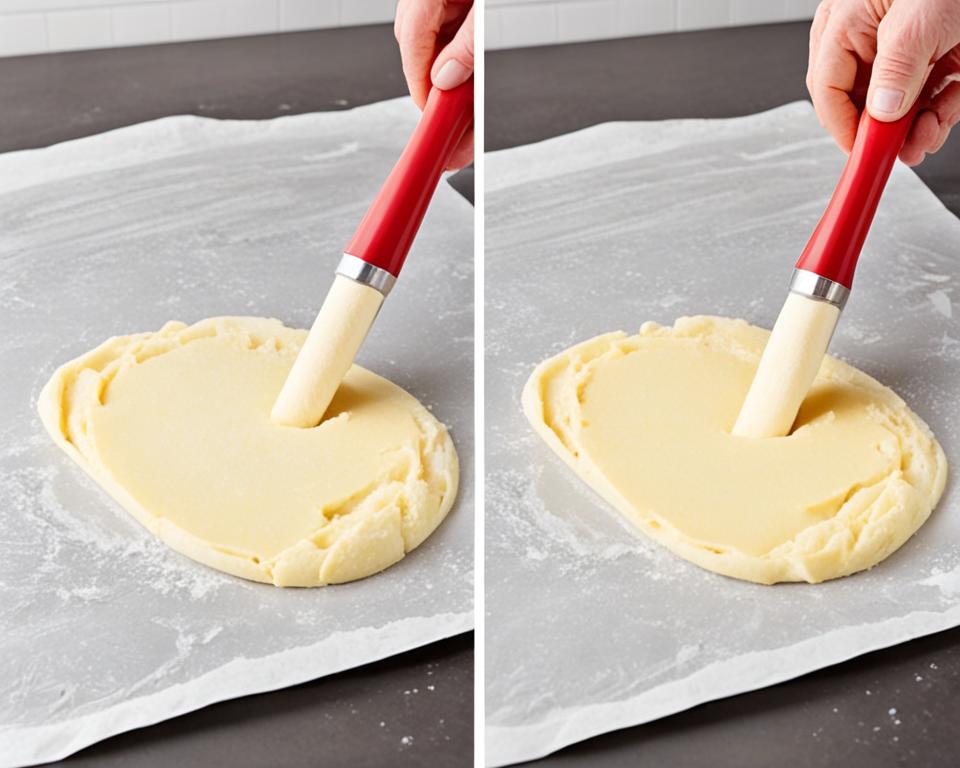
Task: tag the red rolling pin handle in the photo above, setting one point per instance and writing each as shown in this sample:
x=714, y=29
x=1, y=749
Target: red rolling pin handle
x=835, y=245
x=387, y=230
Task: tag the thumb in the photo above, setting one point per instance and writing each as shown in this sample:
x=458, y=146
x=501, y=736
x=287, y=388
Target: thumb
x=454, y=64
x=906, y=49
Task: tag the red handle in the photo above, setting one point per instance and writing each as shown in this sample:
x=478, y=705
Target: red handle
x=833, y=249
x=387, y=230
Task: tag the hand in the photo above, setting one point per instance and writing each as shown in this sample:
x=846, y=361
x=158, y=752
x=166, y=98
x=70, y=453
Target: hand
x=436, y=46
x=886, y=54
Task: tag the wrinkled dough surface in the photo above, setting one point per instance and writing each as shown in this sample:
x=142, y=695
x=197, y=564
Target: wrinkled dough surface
x=645, y=420
x=176, y=426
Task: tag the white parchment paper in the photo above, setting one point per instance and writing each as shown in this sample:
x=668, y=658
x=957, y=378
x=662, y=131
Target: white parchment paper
x=590, y=627
x=102, y=628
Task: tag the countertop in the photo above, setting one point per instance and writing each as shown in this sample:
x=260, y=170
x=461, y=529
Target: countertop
x=893, y=707
x=411, y=709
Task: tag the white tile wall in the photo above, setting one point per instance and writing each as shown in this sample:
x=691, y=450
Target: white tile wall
x=703, y=14
x=646, y=17
x=532, y=24
x=801, y=9
x=513, y=23
x=38, y=26
x=141, y=24
x=23, y=33
x=758, y=11
x=83, y=28
x=199, y=19
x=366, y=11
x=308, y=14
x=586, y=20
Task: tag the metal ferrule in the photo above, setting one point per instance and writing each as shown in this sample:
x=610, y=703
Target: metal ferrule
x=813, y=286
x=366, y=274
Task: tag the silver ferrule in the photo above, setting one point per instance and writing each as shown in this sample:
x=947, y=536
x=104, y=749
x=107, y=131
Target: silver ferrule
x=366, y=274
x=813, y=286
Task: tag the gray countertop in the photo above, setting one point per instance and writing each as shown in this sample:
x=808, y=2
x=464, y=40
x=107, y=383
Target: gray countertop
x=826, y=718
x=353, y=718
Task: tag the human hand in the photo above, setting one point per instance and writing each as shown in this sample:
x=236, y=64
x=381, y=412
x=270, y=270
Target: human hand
x=886, y=54
x=436, y=46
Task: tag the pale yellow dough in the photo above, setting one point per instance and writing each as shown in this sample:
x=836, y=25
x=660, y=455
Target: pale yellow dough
x=175, y=425
x=645, y=420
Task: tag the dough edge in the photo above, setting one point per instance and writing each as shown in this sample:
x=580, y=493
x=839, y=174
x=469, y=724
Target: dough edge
x=360, y=549
x=863, y=532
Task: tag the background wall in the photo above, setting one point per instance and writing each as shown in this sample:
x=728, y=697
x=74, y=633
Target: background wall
x=36, y=26
x=514, y=23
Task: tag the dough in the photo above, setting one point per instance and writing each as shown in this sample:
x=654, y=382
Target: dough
x=645, y=420
x=175, y=425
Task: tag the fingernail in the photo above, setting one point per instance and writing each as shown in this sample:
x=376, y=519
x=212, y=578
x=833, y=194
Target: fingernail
x=886, y=101
x=451, y=75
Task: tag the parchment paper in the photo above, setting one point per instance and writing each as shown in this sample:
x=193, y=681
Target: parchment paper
x=102, y=628
x=590, y=627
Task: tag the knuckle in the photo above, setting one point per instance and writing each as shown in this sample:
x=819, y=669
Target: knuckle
x=895, y=63
x=901, y=44
x=468, y=45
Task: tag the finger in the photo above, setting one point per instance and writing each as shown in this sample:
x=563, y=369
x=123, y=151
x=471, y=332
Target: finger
x=933, y=125
x=944, y=73
x=816, y=34
x=921, y=139
x=906, y=45
x=834, y=79
x=946, y=107
x=454, y=64
x=416, y=34
x=941, y=139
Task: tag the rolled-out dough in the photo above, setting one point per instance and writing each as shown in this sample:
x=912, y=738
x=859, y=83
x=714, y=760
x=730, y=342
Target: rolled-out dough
x=646, y=421
x=176, y=426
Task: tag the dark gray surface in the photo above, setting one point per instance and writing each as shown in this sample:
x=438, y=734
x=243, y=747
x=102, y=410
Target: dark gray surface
x=840, y=715
x=54, y=97
x=415, y=709
x=336, y=720
x=535, y=93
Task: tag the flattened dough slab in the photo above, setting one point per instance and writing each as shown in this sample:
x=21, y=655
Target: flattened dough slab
x=175, y=425
x=645, y=420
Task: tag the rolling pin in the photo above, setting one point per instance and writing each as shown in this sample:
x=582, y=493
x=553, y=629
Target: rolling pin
x=372, y=260
x=821, y=283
